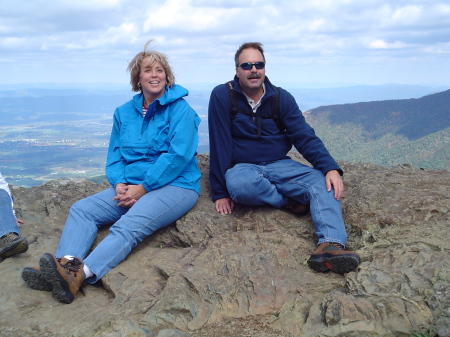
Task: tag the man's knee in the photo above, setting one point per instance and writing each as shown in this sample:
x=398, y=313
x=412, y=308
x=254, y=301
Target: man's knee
x=240, y=189
x=316, y=177
x=243, y=184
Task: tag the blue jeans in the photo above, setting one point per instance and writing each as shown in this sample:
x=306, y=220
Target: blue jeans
x=274, y=182
x=153, y=211
x=8, y=221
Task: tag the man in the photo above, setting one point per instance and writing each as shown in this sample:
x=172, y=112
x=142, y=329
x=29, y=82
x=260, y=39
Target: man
x=11, y=243
x=248, y=162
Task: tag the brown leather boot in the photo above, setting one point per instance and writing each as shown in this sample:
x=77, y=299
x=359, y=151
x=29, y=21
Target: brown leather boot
x=297, y=207
x=65, y=275
x=333, y=256
x=35, y=279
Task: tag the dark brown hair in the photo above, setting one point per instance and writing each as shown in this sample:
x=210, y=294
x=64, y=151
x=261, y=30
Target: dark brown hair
x=247, y=45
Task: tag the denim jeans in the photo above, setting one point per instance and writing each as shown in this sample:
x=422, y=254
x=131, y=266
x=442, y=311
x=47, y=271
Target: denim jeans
x=153, y=211
x=274, y=182
x=8, y=222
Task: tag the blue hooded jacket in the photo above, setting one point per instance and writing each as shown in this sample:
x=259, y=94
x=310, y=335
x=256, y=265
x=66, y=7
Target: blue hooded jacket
x=159, y=149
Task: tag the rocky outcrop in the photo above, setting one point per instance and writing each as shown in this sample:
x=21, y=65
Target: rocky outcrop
x=245, y=274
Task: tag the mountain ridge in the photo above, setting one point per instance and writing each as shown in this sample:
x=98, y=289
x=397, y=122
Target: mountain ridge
x=430, y=112
x=388, y=133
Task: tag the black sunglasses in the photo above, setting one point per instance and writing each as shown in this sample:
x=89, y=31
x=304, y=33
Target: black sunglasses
x=248, y=65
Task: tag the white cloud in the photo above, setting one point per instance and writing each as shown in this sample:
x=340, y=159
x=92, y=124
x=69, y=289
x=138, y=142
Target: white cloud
x=201, y=36
x=381, y=44
x=406, y=15
x=440, y=48
x=181, y=16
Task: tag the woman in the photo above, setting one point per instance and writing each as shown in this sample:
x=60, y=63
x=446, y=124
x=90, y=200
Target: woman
x=152, y=168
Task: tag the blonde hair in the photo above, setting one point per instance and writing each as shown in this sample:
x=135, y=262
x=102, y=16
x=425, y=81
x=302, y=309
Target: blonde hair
x=134, y=67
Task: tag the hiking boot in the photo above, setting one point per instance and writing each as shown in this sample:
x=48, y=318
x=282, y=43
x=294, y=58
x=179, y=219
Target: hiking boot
x=12, y=244
x=65, y=276
x=333, y=256
x=35, y=279
x=297, y=207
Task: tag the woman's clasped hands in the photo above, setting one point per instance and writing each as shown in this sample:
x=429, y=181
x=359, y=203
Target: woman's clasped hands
x=127, y=195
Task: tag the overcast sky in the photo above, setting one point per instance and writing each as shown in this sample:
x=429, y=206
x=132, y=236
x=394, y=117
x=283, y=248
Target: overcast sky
x=324, y=42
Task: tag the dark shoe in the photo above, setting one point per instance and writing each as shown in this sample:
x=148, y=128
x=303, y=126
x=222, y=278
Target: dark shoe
x=12, y=244
x=35, y=279
x=65, y=276
x=333, y=256
x=297, y=207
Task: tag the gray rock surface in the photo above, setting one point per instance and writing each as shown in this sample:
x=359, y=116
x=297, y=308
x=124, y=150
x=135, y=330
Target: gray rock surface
x=172, y=333
x=245, y=274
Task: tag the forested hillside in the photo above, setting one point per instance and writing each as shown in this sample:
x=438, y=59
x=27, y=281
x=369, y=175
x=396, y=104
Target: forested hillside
x=410, y=131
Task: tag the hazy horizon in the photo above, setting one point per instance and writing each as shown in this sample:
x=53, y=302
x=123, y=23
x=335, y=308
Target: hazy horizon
x=204, y=86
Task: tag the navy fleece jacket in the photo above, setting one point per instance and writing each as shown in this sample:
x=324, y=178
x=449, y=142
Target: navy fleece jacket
x=236, y=141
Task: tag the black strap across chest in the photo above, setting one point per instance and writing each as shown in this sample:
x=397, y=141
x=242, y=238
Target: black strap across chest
x=274, y=109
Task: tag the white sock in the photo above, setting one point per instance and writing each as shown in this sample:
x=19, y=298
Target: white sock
x=87, y=271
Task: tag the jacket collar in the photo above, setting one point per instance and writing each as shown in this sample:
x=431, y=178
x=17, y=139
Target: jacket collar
x=171, y=94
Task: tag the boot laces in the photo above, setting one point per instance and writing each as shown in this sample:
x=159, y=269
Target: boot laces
x=72, y=266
